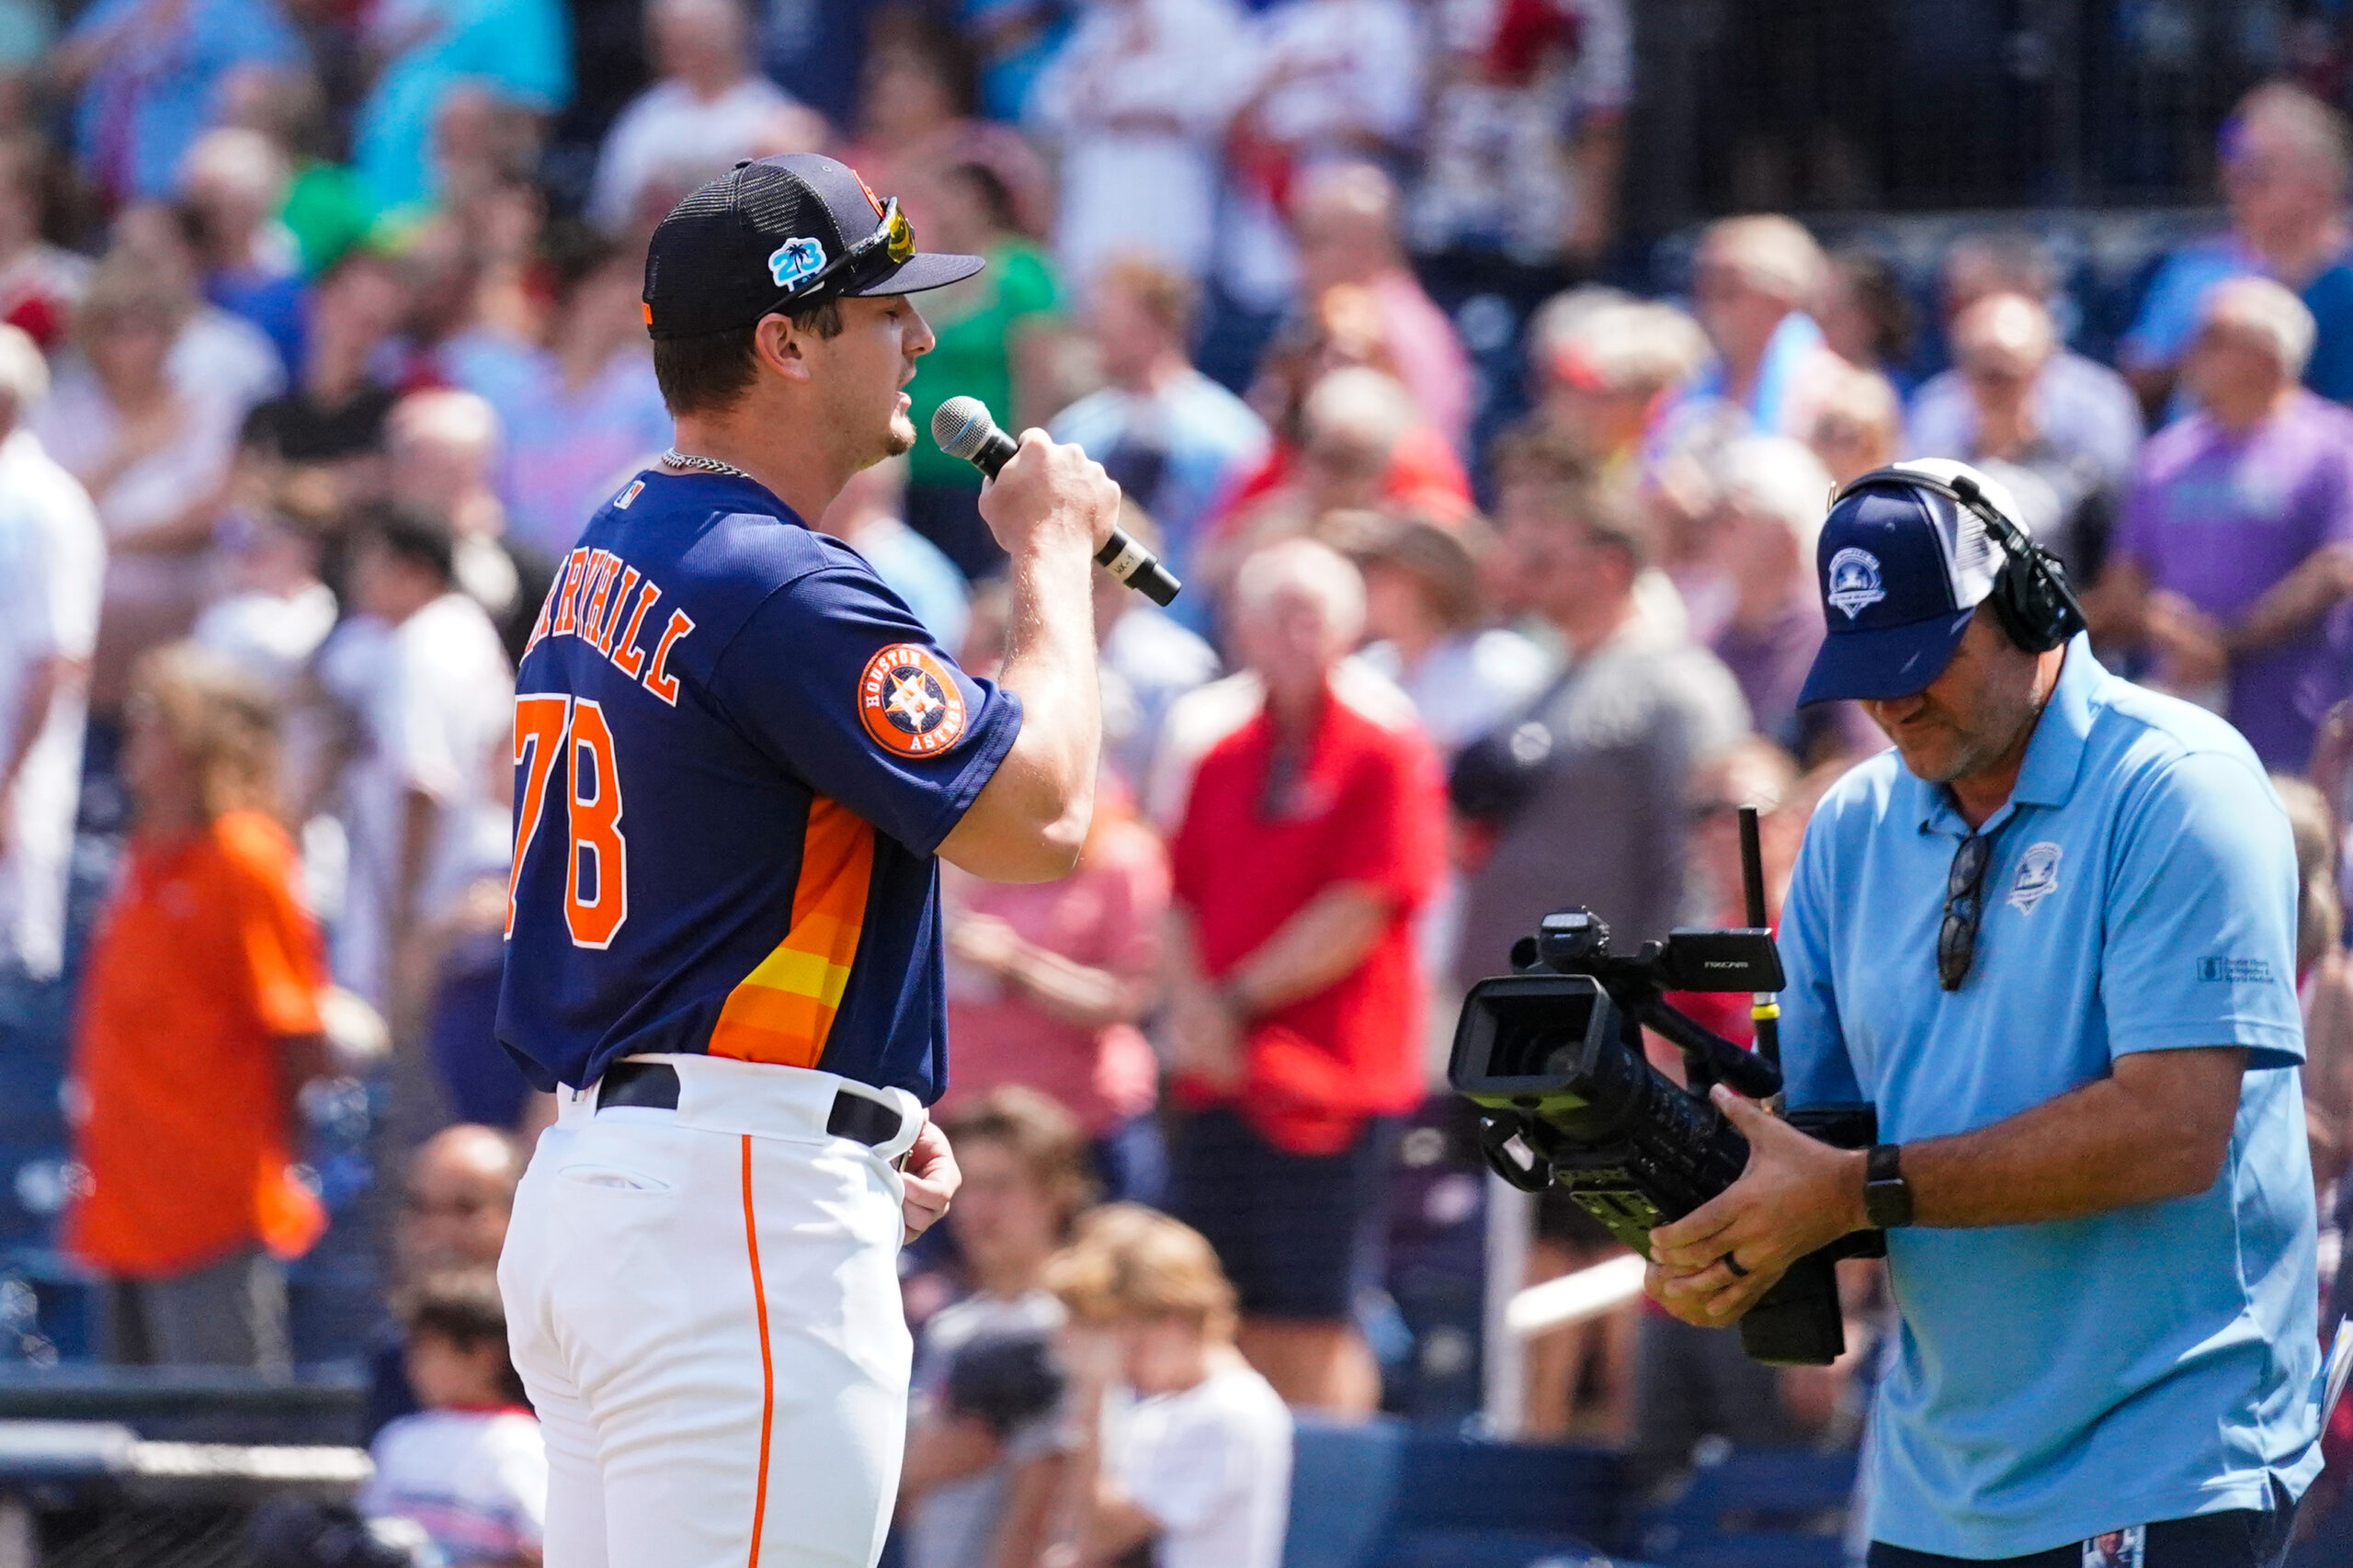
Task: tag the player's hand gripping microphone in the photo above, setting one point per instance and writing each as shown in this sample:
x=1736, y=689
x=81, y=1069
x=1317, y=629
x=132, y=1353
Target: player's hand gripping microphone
x=963, y=428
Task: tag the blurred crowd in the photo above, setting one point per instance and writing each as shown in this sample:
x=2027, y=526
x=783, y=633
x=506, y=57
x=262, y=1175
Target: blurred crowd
x=323, y=343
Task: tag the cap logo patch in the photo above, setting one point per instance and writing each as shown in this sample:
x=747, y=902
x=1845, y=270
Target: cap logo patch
x=1855, y=583
x=795, y=260
x=910, y=702
x=2038, y=876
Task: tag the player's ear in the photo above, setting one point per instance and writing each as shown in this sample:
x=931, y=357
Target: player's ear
x=781, y=347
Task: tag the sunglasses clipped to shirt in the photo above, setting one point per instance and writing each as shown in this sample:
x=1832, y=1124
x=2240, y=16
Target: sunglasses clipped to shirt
x=1965, y=909
x=894, y=239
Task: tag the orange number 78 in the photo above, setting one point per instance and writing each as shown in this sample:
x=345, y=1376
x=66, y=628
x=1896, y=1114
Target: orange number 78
x=552, y=728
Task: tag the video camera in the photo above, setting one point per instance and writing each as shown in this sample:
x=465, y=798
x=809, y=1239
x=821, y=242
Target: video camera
x=1552, y=1054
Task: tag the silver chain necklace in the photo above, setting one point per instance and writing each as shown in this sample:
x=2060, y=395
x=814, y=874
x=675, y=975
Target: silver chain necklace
x=676, y=458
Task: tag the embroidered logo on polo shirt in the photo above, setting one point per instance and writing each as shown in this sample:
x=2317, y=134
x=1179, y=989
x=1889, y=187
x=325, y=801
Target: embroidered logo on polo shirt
x=2038, y=876
x=1855, y=583
x=910, y=702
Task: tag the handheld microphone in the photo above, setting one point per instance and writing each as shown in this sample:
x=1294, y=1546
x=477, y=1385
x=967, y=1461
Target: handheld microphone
x=963, y=428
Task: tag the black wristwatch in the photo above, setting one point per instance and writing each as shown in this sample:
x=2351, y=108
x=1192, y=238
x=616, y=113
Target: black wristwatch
x=1887, y=1197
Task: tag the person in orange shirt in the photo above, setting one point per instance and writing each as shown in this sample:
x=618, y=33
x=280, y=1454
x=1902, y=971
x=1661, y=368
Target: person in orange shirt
x=199, y=1023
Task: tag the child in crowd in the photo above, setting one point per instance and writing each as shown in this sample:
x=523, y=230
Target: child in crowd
x=1198, y=1468
x=470, y=1468
x=983, y=1447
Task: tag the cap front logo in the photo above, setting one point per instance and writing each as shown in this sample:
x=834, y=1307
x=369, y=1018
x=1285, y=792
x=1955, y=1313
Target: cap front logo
x=795, y=260
x=2038, y=876
x=910, y=702
x=1854, y=581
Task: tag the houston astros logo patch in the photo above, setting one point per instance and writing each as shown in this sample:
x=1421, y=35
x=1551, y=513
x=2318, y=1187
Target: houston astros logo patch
x=910, y=701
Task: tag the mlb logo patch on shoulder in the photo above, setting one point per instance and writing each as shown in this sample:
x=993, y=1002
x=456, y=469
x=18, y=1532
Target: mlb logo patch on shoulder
x=910, y=702
x=636, y=487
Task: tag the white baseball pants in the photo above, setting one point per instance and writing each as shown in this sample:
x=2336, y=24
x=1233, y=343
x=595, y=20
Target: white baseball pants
x=704, y=1307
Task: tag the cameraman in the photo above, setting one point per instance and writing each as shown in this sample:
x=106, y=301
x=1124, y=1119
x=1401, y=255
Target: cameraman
x=2053, y=937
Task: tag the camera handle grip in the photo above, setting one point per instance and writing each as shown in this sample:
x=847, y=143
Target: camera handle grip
x=1798, y=1321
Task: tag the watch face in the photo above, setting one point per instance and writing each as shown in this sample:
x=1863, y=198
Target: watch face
x=1887, y=1203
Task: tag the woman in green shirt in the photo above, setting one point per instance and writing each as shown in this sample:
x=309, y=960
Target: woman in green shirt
x=996, y=333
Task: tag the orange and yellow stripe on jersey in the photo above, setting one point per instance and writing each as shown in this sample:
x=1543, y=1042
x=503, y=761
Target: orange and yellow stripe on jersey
x=783, y=1010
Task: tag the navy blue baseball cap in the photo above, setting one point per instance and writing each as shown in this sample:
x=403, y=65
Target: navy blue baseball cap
x=788, y=231
x=1902, y=566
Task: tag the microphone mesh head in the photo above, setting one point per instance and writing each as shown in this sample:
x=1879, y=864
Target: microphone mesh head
x=961, y=426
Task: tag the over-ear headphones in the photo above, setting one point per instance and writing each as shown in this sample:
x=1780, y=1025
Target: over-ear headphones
x=2030, y=595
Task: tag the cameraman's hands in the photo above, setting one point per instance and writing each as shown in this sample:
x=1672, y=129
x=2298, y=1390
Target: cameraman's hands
x=1798, y=1194
x=1045, y=490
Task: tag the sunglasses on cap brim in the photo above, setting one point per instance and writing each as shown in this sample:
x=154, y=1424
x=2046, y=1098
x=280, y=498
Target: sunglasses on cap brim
x=895, y=241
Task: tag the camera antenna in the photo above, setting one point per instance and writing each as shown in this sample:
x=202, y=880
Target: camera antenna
x=1763, y=1008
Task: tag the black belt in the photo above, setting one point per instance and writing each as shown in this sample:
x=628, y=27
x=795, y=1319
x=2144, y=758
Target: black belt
x=654, y=1086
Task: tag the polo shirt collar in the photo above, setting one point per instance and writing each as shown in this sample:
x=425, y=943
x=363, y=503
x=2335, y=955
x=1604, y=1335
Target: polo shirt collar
x=2055, y=753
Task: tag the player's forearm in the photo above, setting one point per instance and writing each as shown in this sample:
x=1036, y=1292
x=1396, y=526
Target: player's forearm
x=1030, y=819
x=2158, y=1129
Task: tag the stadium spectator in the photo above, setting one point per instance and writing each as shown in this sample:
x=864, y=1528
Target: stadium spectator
x=869, y=515
x=1526, y=142
x=1771, y=498
x=1176, y=441
x=1607, y=368
x=1311, y=836
x=1135, y=109
x=273, y=611
x=1344, y=217
x=2236, y=539
x=326, y=209
x=2285, y=164
x=2325, y=983
x=147, y=73
x=218, y=356
x=1148, y=662
x=470, y=1467
x=1048, y=983
x=442, y=448
x=1857, y=426
x=1201, y=1470
x=2002, y=348
x=1867, y=319
x=1753, y=283
x=1426, y=629
x=1588, y=788
x=511, y=52
x=456, y=1197
x=1362, y=443
x=984, y=1444
x=52, y=559
x=2083, y=409
x=319, y=446
x=232, y=184
x=1333, y=82
x=996, y=335
x=155, y=459
x=431, y=691
x=708, y=106
x=199, y=1026
x=40, y=282
x=916, y=116
x=578, y=408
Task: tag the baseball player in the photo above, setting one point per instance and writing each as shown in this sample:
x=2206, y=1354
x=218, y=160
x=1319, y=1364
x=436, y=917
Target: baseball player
x=736, y=756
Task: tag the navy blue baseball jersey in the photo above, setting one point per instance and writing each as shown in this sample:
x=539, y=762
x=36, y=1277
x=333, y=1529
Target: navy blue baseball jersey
x=735, y=751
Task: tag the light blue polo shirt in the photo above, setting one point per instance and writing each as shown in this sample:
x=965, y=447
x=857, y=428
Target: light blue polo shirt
x=2055, y=1381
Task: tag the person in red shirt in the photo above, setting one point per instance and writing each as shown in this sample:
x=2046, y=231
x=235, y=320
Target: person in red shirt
x=199, y=1024
x=1310, y=835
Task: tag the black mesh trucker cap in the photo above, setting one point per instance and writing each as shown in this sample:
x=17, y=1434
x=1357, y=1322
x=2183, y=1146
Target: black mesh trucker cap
x=783, y=231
